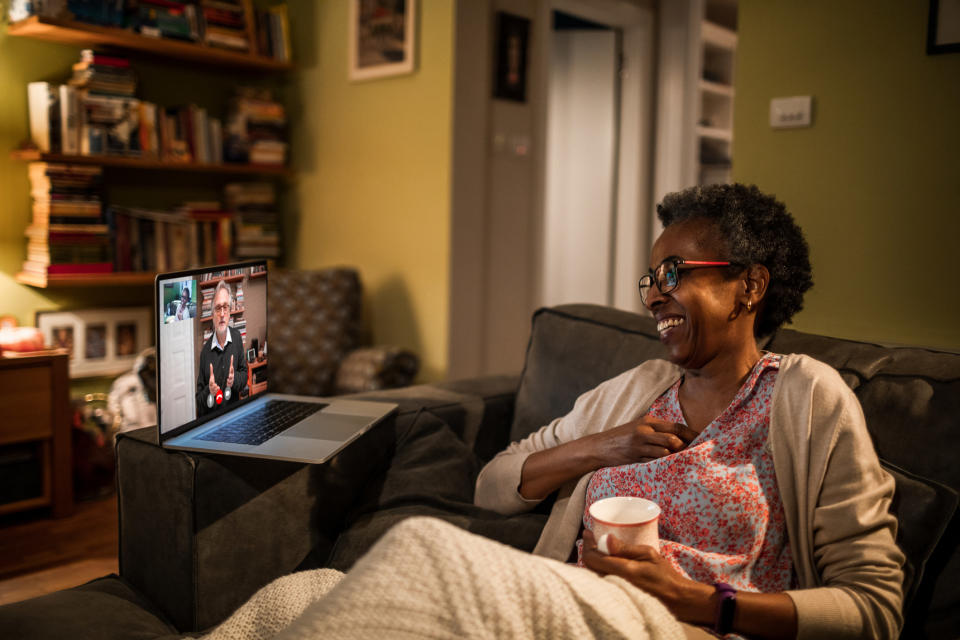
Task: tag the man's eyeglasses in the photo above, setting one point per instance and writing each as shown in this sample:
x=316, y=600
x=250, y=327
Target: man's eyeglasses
x=222, y=308
x=667, y=275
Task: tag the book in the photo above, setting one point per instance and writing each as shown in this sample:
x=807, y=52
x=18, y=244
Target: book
x=69, y=120
x=43, y=102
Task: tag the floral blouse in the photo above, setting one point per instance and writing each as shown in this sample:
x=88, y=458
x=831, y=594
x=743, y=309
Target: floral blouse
x=721, y=515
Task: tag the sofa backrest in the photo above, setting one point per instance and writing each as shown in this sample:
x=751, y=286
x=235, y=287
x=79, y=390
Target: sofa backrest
x=910, y=396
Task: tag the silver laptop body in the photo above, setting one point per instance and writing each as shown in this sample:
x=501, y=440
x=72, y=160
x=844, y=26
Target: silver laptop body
x=192, y=419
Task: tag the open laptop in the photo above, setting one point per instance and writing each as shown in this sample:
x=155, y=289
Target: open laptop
x=212, y=361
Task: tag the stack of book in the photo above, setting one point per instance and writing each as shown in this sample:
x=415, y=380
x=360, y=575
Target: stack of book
x=225, y=24
x=255, y=207
x=108, y=116
x=97, y=73
x=256, y=128
x=68, y=234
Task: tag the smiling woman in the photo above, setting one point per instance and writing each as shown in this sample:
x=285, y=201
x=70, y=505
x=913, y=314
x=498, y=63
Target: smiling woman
x=774, y=518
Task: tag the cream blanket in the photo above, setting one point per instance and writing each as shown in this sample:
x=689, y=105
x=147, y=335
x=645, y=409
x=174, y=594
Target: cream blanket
x=427, y=578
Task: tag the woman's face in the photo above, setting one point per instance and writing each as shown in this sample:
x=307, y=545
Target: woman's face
x=699, y=320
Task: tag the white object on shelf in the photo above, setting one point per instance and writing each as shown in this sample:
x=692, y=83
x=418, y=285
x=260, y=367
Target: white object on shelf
x=790, y=113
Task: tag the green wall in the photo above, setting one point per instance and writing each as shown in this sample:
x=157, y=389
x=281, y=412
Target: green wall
x=373, y=162
x=874, y=182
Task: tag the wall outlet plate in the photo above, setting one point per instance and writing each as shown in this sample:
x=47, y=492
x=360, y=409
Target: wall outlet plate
x=790, y=113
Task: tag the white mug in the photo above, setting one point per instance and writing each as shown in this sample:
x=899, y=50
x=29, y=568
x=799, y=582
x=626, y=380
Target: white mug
x=633, y=521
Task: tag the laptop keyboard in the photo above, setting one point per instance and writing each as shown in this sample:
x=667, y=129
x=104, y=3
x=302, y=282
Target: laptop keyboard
x=262, y=424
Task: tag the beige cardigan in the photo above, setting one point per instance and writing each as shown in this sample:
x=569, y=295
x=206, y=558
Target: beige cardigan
x=835, y=495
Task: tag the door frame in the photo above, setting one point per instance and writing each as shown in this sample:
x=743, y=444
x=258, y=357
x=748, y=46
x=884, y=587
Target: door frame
x=637, y=23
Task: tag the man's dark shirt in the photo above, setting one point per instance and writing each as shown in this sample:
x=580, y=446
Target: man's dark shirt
x=220, y=359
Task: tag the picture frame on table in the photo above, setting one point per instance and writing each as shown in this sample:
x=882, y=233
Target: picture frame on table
x=943, y=27
x=99, y=342
x=381, y=38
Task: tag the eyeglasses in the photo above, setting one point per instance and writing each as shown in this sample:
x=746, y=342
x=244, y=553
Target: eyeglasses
x=222, y=308
x=667, y=274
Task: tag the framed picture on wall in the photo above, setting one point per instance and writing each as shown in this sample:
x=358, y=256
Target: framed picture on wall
x=943, y=28
x=510, y=79
x=381, y=38
x=100, y=342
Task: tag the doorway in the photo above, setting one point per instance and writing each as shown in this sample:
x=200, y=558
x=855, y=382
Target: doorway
x=595, y=209
x=582, y=159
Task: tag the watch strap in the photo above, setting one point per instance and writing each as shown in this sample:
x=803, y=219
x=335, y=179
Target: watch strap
x=726, y=607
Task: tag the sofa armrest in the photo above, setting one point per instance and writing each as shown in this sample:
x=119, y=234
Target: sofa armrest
x=200, y=533
x=479, y=410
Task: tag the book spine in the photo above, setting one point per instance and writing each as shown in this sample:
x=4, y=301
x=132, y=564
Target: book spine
x=39, y=105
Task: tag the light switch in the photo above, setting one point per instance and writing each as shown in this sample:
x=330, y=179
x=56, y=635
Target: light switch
x=788, y=113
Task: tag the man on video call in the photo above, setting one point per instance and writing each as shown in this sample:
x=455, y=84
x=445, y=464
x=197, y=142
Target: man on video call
x=222, y=374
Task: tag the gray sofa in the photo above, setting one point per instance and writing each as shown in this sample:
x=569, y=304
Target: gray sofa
x=200, y=533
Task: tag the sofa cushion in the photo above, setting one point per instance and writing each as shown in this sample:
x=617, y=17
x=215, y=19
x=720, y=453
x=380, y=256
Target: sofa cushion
x=572, y=349
x=923, y=508
x=911, y=399
x=107, y=607
x=432, y=473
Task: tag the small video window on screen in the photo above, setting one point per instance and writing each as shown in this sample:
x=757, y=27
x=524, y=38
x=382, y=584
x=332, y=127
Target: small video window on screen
x=212, y=343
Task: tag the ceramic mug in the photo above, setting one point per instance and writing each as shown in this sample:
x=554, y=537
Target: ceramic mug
x=632, y=520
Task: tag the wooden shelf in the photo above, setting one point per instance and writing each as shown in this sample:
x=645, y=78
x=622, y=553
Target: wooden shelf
x=720, y=37
x=122, y=278
x=715, y=133
x=83, y=34
x=32, y=155
x=716, y=88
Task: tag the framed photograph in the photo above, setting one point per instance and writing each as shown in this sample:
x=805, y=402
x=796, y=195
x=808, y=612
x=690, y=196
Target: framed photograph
x=510, y=79
x=943, y=27
x=100, y=342
x=381, y=38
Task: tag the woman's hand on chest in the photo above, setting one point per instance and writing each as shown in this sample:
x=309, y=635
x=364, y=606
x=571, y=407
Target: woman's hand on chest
x=640, y=440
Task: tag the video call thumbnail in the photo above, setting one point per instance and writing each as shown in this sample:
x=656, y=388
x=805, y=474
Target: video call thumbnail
x=212, y=342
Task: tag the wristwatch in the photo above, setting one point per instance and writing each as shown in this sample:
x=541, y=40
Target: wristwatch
x=726, y=607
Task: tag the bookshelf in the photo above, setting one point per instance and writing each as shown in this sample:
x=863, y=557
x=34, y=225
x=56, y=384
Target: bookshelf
x=715, y=93
x=82, y=34
x=124, y=162
x=115, y=41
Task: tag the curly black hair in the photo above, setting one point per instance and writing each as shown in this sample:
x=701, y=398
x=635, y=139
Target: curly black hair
x=757, y=229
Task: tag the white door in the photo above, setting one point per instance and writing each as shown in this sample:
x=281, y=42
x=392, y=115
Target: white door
x=178, y=375
x=581, y=168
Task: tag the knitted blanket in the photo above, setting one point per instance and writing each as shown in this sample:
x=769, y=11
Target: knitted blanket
x=427, y=578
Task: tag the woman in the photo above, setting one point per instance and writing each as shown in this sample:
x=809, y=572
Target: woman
x=761, y=462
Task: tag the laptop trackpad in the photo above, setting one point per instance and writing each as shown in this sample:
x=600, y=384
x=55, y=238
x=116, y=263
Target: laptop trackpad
x=328, y=426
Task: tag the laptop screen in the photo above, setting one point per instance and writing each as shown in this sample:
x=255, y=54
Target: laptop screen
x=211, y=342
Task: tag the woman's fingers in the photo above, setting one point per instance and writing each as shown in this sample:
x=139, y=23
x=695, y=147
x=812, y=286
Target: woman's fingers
x=680, y=430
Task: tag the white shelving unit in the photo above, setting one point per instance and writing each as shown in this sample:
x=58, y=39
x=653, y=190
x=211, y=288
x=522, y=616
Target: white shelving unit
x=715, y=94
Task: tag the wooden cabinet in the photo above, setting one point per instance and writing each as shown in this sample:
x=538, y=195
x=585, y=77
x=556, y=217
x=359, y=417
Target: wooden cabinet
x=35, y=434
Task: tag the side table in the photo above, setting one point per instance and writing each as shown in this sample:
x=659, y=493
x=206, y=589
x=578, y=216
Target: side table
x=35, y=433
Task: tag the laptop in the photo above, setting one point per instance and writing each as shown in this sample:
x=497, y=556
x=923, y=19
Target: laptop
x=213, y=375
